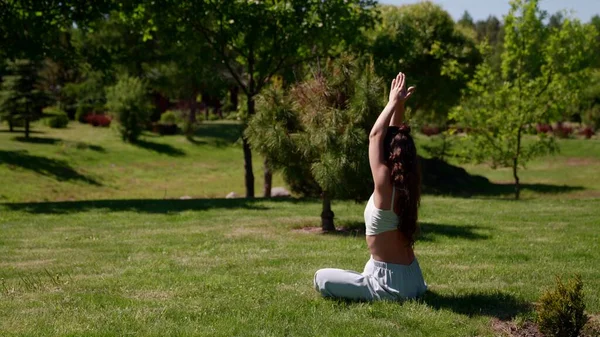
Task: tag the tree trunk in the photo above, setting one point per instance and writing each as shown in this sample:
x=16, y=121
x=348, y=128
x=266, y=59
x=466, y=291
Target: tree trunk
x=192, y=117
x=27, y=128
x=10, y=126
x=516, y=165
x=517, y=190
x=268, y=179
x=248, y=154
x=249, y=178
x=233, y=97
x=327, y=215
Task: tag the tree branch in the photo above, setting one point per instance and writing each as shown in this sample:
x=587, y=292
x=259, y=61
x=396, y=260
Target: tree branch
x=221, y=50
x=548, y=81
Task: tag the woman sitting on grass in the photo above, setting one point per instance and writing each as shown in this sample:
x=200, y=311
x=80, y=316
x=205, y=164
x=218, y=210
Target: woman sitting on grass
x=393, y=272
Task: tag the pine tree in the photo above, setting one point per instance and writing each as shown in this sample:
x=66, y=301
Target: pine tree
x=316, y=133
x=21, y=100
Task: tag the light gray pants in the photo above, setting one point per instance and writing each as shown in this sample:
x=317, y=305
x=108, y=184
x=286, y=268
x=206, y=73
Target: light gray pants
x=379, y=281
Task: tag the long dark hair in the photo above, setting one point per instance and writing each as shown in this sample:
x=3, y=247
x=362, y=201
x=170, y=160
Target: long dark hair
x=401, y=154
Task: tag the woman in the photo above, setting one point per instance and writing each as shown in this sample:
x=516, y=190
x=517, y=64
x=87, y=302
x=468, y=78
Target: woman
x=393, y=272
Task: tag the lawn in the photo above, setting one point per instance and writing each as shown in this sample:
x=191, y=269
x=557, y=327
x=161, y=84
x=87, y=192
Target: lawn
x=128, y=258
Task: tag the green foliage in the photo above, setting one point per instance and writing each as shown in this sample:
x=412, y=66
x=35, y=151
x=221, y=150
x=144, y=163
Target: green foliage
x=89, y=92
x=43, y=25
x=560, y=311
x=128, y=99
x=168, y=117
x=423, y=41
x=316, y=133
x=542, y=70
x=20, y=96
x=58, y=119
x=589, y=105
x=82, y=111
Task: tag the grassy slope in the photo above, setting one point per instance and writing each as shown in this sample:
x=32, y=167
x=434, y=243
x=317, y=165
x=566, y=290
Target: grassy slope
x=237, y=267
x=92, y=163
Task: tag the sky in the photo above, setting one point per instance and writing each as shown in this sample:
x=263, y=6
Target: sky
x=481, y=9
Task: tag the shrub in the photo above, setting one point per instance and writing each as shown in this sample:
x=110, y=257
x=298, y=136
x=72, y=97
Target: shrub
x=213, y=117
x=562, y=131
x=560, y=311
x=592, y=117
x=168, y=118
x=98, y=120
x=57, y=118
x=189, y=128
x=128, y=99
x=83, y=110
x=587, y=132
x=543, y=128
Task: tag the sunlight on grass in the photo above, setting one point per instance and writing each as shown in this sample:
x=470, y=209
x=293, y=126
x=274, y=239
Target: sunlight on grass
x=121, y=260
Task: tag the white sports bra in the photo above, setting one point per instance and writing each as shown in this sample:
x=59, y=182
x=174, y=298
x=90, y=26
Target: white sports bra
x=380, y=220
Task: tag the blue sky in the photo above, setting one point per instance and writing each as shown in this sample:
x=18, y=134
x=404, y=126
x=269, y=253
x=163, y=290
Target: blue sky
x=481, y=9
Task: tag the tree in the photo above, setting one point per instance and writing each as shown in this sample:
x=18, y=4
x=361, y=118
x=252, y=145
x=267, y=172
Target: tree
x=257, y=39
x=466, y=20
x=491, y=31
x=423, y=40
x=316, y=133
x=33, y=29
x=21, y=100
x=595, y=21
x=542, y=69
x=185, y=67
x=556, y=20
x=129, y=100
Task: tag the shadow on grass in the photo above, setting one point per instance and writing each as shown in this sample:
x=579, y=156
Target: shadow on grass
x=22, y=131
x=152, y=206
x=160, y=148
x=37, y=140
x=428, y=231
x=58, y=169
x=53, y=141
x=442, y=178
x=500, y=305
x=217, y=134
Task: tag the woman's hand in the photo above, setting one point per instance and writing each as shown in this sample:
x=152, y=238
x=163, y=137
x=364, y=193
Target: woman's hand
x=398, y=92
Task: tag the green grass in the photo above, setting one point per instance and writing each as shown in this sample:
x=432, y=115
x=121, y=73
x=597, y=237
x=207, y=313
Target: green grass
x=93, y=163
x=126, y=261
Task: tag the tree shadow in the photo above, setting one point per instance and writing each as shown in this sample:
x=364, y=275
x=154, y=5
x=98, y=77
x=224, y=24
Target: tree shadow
x=37, y=140
x=20, y=130
x=53, y=141
x=442, y=178
x=427, y=231
x=151, y=206
x=217, y=134
x=58, y=169
x=497, y=304
x=160, y=148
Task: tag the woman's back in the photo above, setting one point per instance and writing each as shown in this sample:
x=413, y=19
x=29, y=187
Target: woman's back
x=386, y=243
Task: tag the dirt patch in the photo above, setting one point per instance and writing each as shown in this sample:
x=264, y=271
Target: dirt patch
x=308, y=230
x=530, y=329
x=505, y=328
x=581, y=161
